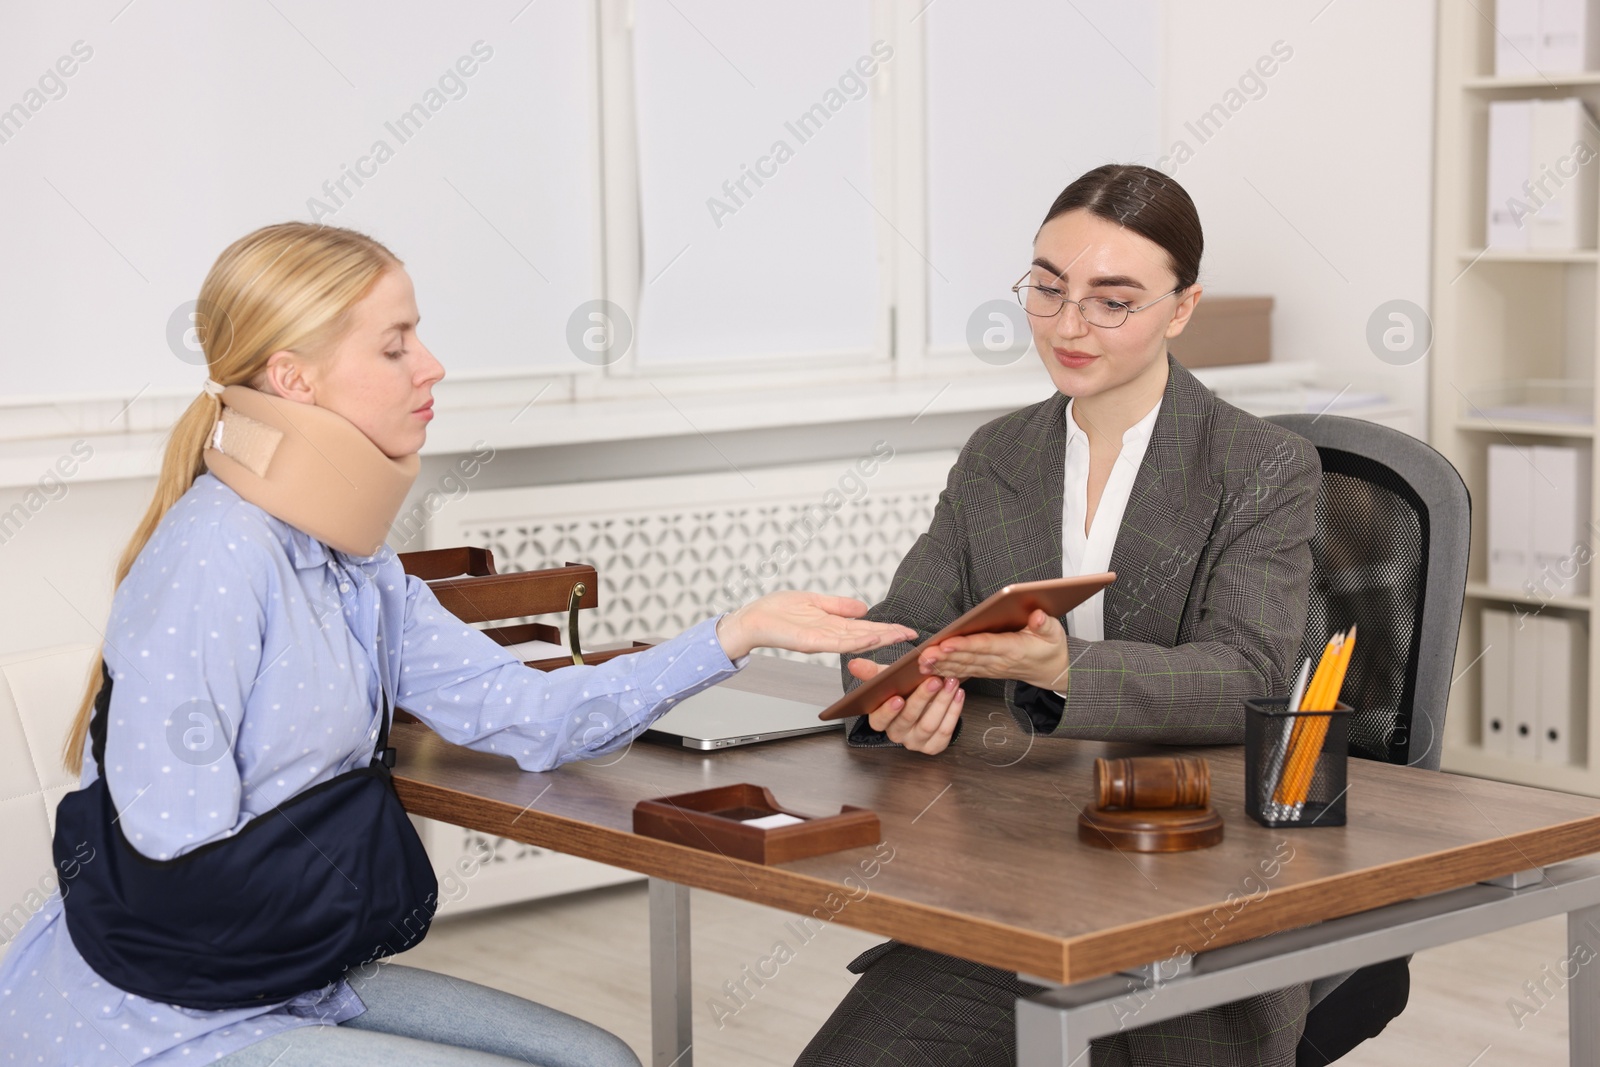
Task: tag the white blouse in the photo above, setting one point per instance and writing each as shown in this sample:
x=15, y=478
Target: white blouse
x=1091, y=553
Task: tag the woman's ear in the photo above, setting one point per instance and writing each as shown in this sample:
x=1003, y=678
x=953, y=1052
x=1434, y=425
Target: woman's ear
x=1185, y=308
x=286, y=375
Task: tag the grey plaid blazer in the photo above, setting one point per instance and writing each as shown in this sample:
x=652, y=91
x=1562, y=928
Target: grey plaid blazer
x=1213, y=564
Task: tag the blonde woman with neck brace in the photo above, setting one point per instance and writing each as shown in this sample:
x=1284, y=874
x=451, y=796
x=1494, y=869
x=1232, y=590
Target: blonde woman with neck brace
x=258, y=612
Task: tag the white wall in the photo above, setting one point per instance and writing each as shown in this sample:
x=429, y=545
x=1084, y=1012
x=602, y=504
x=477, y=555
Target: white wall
x=1320, y=191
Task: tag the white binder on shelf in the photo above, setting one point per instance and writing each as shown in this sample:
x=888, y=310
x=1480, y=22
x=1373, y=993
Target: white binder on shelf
x=1568, y=41
x=1510, y=518
x=1494, y=706
x=1510, y=150
x=1559, y=516
x=1562, y=193
x=1525, y=687
x=1561, y=652
x=1541, y=192
x=1516, y=47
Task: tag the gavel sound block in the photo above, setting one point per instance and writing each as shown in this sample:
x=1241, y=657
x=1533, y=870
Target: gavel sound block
x=1151, y=804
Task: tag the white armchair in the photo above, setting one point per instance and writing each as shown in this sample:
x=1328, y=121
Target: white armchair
x=39, y=691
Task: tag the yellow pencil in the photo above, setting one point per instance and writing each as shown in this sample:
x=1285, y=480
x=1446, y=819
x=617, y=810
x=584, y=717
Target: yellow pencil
x=1319, y=679
x=1317, y=729
x=1323, y=695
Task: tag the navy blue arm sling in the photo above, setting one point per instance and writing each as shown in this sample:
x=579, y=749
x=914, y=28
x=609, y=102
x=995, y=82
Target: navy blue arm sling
x=332, y=878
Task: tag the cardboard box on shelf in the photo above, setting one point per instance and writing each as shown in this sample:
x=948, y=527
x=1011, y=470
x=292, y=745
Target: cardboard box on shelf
x=1225, y=330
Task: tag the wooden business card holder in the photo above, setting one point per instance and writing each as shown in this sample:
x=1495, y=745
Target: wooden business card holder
x=1151, y=804
x=713, y=820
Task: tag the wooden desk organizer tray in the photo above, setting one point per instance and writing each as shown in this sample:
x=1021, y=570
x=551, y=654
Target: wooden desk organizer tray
x=713, y=820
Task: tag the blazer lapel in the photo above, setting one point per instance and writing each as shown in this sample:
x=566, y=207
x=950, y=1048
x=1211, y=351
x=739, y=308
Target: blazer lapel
x=1168, y=519
x=1052, y=478
x=1165, y=527
x=1027, y=469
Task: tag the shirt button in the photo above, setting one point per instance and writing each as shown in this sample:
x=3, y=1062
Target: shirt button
x=373, y=736
x=344, y=587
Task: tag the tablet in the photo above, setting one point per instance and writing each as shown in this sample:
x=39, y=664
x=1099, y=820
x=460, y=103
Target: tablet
x=1006, y=611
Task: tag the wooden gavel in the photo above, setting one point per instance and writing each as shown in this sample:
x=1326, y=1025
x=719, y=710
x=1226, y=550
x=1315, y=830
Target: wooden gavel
x=1152, y=782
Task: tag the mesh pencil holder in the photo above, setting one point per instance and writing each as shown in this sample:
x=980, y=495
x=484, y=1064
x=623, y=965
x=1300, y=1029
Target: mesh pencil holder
x=1295, y=778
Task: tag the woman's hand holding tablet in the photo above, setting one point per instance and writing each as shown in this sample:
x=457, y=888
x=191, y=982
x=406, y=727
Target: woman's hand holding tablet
x=925, y=721
x=1014, y=633
x=922, y=722
x=1036, y=654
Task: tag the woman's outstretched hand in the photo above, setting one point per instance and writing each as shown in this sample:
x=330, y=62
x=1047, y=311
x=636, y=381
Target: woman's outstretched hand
x=806, y=622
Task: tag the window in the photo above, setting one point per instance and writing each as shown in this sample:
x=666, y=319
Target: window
x=755, y=130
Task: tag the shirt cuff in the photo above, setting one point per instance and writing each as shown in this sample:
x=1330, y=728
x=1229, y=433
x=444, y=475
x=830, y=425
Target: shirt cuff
x=1044, y=708
x=860, y=734
x=724, y=663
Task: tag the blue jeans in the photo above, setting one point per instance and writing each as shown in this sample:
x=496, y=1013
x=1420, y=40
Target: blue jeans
x=422, y=1019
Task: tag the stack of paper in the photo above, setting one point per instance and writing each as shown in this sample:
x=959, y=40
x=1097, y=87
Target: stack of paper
x=1545, y=37
x=1541, y=176
x=1538, y=520
x=1534, y=685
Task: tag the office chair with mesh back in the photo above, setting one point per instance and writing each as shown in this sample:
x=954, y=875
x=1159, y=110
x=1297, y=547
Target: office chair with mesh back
x=1390, y=555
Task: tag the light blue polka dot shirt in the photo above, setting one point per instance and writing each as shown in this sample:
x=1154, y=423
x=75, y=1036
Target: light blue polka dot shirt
x=244, y=654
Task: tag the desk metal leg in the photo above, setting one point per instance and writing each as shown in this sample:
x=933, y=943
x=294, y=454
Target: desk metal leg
x=671, y=992
x=1583, y=989
x=1046, y=1036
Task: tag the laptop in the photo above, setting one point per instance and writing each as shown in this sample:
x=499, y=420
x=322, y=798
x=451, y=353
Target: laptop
x=720, y=717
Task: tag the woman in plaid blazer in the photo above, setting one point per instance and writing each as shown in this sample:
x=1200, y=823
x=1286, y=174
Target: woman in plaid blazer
x=1213, y=562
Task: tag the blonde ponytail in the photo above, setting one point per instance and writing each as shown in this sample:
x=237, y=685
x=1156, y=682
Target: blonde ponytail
x=287, y=286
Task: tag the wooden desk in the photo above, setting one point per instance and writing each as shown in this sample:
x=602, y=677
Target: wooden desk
x=986, y=863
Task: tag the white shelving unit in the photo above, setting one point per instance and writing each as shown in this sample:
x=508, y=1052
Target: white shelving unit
x=1499, y=317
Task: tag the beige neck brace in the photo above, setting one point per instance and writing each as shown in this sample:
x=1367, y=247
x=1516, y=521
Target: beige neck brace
x=310, y=467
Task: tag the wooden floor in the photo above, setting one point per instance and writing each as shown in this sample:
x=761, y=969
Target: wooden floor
x=588, y=954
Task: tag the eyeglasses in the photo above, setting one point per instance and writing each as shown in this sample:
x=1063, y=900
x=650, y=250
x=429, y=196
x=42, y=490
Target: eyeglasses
x=1044, y=302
